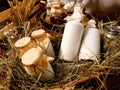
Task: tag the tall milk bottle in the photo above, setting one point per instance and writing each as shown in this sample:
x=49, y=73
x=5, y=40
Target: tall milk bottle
x=70, y=43
x=90, y=47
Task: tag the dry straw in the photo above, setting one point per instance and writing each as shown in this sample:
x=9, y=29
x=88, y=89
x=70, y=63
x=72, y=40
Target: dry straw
x=67, y=75
x=21, y=10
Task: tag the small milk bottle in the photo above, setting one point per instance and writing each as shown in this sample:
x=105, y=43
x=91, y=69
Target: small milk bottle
x=36, y=63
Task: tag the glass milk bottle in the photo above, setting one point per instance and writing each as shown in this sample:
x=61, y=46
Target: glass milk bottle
x=36, y=64
x=43, y=40
x=24, y=44
x=71, y=40
x=90, y=48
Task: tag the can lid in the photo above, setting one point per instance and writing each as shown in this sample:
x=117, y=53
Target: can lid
x=31, y=56
x=23, y=42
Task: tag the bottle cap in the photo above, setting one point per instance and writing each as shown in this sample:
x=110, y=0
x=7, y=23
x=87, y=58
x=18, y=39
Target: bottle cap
x=31, y=57
x=22, y=42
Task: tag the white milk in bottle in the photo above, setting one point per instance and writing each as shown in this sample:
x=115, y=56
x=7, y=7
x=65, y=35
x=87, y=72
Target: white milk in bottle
x=71, y=40
x=90, y=48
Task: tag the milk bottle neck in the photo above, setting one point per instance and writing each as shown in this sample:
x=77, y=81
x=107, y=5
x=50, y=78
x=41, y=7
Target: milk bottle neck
x=77, y=3
x=91, y=25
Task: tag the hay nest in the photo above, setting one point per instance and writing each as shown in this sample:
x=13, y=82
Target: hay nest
x=83, y=75
x=68, y=75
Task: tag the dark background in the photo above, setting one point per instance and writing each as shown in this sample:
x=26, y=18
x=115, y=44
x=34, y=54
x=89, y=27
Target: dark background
x=3, y=5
